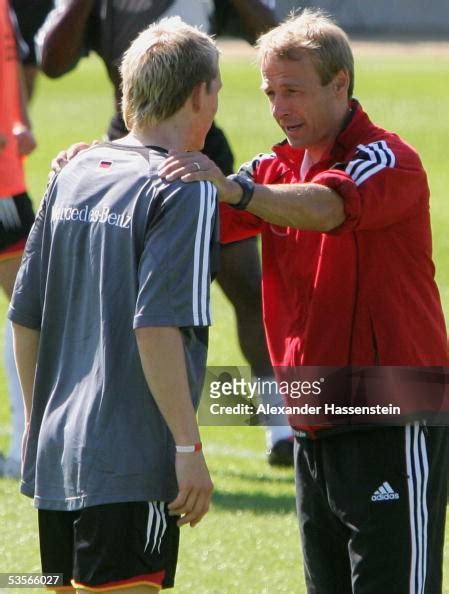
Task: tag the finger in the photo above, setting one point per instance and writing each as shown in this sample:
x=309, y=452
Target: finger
x=196, y=514
x=189, y=173
x=180, y=160
x=191, y=177
x=180, y=157
x=168, y=169
x=184, y=520
x=61, y=156
x=59, y=161
x=189, y=518
x=199, y=509
x=71, y=152
x=188, y=506
x=76, y=148
x=179, y=502
x=197, y=176
x=200, y=516
x=178, y=172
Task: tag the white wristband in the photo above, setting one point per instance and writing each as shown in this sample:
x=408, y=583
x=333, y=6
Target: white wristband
x=189, y=449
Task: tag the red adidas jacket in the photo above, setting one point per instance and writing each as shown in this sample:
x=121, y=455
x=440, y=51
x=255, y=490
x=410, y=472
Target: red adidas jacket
x=363, y=294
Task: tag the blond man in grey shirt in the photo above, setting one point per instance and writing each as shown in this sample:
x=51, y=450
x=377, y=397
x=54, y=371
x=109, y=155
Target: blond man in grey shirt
x=110, y=314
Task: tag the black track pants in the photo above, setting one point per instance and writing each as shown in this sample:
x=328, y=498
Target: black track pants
x=371, y=507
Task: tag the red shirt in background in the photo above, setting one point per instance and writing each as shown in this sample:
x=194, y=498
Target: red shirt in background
x=12, y=179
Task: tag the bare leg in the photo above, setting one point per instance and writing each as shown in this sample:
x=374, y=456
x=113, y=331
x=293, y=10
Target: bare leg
x=8, y=271
x=30, y=72
x=240, y=280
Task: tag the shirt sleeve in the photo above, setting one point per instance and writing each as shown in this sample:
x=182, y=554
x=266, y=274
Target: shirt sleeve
x=381, y=185
x=25, y=308
x=175, y=267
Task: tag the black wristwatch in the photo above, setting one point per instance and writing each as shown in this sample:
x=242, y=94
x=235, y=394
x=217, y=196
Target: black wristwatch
x=247, y=186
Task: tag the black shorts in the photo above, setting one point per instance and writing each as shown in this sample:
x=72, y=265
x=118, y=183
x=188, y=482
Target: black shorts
x=117, y=545
x=30, y=16
x=16, y=220
x=371, y=507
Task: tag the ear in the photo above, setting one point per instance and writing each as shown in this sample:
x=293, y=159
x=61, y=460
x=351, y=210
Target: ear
x=197, y=96
x=341, y=83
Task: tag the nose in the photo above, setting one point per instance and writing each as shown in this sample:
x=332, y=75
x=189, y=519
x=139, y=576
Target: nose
x=279, y=107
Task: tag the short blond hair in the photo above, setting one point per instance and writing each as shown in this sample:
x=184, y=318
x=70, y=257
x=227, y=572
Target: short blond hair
x=315, y=32
x=161, y=68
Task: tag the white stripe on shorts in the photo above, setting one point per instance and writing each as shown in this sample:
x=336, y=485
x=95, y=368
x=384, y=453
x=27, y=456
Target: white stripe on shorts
x=156, y=525
x=418, y=475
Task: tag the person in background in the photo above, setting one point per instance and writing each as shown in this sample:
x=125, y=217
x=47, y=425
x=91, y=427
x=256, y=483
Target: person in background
x=111, y=310
x=76, y=27
x=30, y=16
x=16, y=212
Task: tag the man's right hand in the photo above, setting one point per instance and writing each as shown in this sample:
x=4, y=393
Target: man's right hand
x=195, y=489
x=196, y=166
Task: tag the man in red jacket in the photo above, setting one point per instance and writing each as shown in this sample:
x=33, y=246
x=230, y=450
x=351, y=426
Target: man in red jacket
x=348, y=280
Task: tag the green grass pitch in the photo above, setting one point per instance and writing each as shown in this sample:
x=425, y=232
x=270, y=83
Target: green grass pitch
x=248, y=543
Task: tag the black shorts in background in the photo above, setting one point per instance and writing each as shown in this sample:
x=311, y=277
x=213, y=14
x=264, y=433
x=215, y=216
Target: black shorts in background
x=16, y=220
x=110, y=546
x=30, y=16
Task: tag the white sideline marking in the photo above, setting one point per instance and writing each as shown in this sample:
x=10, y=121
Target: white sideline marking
x=224, y=450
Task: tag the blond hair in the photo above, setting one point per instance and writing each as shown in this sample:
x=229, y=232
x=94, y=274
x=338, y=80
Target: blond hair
x=161, y=68
x=311, y=31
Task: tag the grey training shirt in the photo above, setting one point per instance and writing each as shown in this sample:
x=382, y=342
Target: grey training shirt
x=113, y=248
